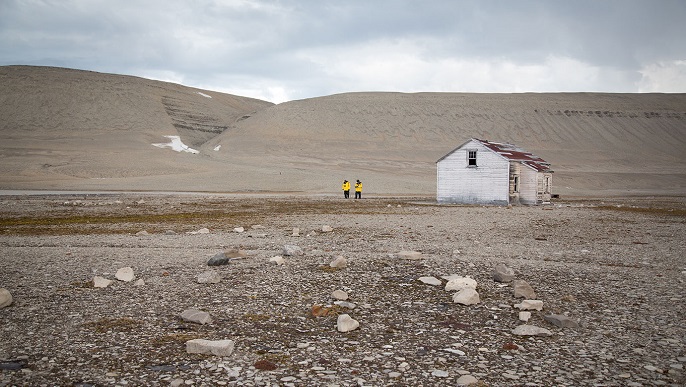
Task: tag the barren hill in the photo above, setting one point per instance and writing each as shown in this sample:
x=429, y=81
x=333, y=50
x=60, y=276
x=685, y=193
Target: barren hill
x=82, y=130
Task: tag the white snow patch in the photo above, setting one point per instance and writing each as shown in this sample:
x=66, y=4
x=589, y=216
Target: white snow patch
x=205, y=95
x=176, y=145
x=217, y=148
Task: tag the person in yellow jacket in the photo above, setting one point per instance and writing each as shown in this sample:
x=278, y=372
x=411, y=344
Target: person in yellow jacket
x=358, y=190
x=346, y=189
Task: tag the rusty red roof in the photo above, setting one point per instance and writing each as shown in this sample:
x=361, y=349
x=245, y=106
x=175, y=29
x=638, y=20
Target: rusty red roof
x=514, y=153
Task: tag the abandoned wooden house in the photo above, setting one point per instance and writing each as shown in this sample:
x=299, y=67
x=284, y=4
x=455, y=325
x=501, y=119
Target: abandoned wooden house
x=485, y=172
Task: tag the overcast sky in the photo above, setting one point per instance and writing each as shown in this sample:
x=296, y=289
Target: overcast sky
x=294, y=49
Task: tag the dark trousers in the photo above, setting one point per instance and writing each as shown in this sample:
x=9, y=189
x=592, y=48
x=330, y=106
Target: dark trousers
x=358, y=195
x=346, y=194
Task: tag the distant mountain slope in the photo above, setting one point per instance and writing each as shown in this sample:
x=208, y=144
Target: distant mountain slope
x=81, y=130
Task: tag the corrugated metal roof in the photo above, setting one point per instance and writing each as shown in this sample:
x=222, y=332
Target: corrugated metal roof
x=514, y=153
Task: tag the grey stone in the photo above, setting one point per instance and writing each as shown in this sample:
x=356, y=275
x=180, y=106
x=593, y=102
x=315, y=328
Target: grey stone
x=466, y=296
x=562, y=321
x=218, y=260
x=339, y=262
x=196, y=316
x=530, y=305
x=327, y=228
x=101, y=282
x=466, y=380
x=5, y=298
x=209, y=277
x=346, y=323
x=522, y=289
x=339, y=295
x=503, y=273
x=210, y=347
x=431, y=281
x=459, y=283
x=125, y=274
x=292, y=250
x=531, y=330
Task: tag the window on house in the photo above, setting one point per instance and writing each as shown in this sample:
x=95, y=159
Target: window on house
x=471, y=158
x=515, y=184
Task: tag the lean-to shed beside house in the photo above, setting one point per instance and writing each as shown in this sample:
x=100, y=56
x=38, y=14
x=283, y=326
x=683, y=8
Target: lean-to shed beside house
x=485, y=172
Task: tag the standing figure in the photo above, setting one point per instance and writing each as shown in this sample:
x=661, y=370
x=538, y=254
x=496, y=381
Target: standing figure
x=358, y=190
x=346, y=189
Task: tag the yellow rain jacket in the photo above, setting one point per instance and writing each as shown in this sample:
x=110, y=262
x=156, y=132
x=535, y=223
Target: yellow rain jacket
x=346, y=186
x=358, y=187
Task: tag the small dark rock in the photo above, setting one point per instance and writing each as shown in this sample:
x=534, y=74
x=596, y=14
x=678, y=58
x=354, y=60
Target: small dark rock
x=218, y=260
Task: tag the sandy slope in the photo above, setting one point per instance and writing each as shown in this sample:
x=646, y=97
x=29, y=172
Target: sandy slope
x=68, y=129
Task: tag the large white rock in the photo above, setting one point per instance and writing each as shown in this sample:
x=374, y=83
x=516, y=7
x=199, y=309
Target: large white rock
x=531, y=330
x=210, y=347
x=196, y=316
x=346, y=323
x=292, y=250
x=101, y=282
x=339, y=295
x=209, y=277
x=5, y=298
x=278, y=260
x=466, y=296
x=125, y=274
x=431, y=281
x=524, y=316
x=326, y=228
x=339, y=262
x=530, y=305
x=458, y=283
x=466, y=380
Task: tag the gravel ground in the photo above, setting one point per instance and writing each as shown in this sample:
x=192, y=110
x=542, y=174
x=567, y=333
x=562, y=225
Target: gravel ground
x=618, y=267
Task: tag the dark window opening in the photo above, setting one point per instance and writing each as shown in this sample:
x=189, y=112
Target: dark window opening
x=471, y=158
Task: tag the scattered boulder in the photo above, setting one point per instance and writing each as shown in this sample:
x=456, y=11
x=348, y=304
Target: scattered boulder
x=125, y=274
x=431, y=281
x=278, y=260
x=292, y=250
x=218, y=260
x=296, y=232
x=210, y=347
x=257, y=227
x=235, y=253
x=339, y=262
x=101, y=282
x=139, y=282
x=142, y=233
x=503, y=273
x=466, y=380
x=196, y=316
x=5, y=298
x=346, y=323
x=327, y=228
x=530, y=305
x=345, y=304
x=411, y=255
x=562, y=321
x=466, y=296
x=209, y=277
x=339, y=295
x=458, y=283
x=238, y=229
x=524, y=316
x=531, y=330
x=201, y=231
x=522, y=289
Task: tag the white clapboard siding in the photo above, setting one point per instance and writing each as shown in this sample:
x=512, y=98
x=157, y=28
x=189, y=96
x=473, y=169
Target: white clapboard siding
x=487, y=183
x=528, y=191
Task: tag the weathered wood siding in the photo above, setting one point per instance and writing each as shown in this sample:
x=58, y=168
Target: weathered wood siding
x=529, y=186
x=487, y=183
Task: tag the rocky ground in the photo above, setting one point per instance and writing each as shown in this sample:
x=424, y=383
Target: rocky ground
x=618, y=268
